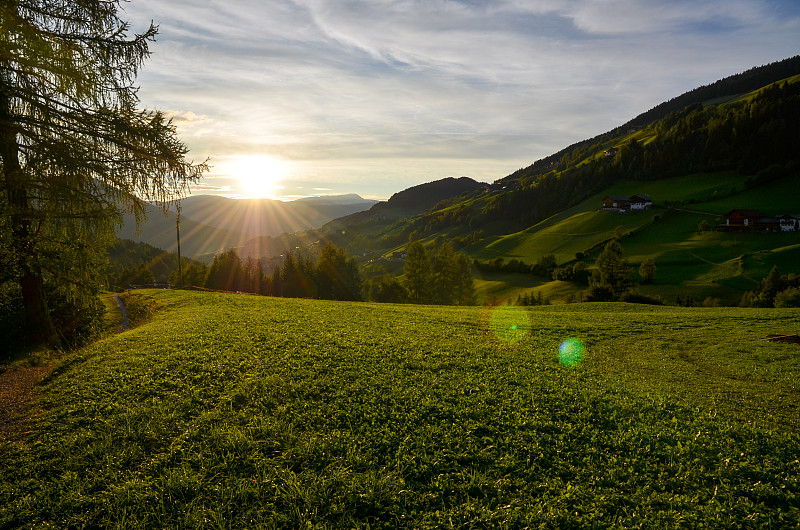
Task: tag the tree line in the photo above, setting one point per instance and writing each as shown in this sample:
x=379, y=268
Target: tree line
x=611, y=279
x=441, y=276
x=331, y=276
x=775, y=290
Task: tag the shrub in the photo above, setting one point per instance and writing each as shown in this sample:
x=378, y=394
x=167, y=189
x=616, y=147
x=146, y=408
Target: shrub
x=599, y=293
x=647, y=270
x=638, y=298
x=712, y=302
x=788, y=298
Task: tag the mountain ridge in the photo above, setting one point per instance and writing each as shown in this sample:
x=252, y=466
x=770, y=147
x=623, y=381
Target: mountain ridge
x=212, y=224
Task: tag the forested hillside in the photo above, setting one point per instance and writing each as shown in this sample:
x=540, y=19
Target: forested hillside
x=755, y=135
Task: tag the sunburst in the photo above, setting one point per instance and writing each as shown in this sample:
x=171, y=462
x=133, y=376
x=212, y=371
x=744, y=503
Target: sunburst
x=259, y=176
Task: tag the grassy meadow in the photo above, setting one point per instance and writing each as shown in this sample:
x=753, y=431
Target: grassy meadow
x=234, y=411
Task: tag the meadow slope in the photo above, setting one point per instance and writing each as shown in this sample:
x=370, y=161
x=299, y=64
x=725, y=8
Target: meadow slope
x=231, y=411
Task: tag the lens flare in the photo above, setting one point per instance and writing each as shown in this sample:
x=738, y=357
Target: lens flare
x=571, y=351
x=510, y=324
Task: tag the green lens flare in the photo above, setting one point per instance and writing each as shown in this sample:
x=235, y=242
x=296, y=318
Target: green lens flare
x=510, y=324
x=570, y=352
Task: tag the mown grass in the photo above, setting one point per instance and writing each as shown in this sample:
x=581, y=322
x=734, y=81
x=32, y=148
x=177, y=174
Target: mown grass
x=228, y=411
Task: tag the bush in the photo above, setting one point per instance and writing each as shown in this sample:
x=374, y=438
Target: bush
x=638, y=298
x=647, y=270
x=140, y=307
x=788, y=298
x=599, y=293
x=712, y=302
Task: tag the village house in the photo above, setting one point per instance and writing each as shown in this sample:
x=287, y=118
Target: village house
x=789, y=222
x=741, y=219
x=641, y=202
x=616, y=202
x=768, y=224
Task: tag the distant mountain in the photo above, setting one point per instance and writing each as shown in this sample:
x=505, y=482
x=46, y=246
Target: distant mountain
x=414, y=200
x=346, y=199
x=265, y=217
x=407, y=203
x=211, y=224
x=425, y=196
x=197, y=239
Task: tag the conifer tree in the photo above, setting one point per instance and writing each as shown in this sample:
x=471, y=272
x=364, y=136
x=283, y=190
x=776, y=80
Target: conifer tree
x=611, y=271
x=418, y=274
x=338, y=277
x=75, y=151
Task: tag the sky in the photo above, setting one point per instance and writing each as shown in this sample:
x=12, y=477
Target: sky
x=295, y=98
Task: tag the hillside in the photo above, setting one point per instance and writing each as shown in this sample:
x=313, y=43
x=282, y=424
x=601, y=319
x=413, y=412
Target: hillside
x=127, y=254
x=698, y=265
x=720, y=91
x=719, y=146
x=728, y=145
x=410, y=202
x=222, y=410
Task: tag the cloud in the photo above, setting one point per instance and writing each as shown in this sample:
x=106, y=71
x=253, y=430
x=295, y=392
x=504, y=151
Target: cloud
x=652, y=16
x=415, y=82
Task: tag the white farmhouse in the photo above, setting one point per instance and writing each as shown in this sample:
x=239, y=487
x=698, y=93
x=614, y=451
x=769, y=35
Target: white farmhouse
x=641, y=202
x=789, y=222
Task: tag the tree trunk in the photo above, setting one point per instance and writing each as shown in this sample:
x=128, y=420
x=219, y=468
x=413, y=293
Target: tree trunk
x=37, y=315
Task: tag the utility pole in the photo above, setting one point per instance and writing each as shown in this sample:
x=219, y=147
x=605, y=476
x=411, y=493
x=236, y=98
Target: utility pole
x=180, y=261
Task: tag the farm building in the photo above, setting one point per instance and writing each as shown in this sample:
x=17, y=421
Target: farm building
x=742, y=219
x=641, y=202
x=616, y=202
x=768, y=224
x=789, y=222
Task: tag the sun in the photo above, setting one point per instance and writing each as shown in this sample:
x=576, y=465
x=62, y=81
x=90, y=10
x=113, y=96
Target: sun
x=259, y=176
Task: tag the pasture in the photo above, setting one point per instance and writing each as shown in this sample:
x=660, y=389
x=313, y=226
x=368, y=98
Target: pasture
x=233, y=411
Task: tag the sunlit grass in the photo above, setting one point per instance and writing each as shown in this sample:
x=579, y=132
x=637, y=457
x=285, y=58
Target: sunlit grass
x=239, y=411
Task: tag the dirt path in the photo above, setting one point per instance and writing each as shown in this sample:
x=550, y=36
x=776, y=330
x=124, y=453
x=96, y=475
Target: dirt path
x=16, y=391
x=17, y=386
x=125, y=321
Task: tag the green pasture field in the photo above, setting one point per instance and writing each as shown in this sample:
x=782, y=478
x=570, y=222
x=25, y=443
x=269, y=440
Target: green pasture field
x=494, y=287
x=579, y=233
x=773, y=198
x=582, y=227
x=235, y=411
x=694, y=187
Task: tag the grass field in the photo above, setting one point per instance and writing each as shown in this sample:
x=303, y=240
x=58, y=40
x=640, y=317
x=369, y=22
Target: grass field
x=232, y=411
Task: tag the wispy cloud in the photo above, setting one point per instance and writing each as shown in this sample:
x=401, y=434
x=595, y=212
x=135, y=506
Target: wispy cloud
x=418, y=83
